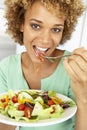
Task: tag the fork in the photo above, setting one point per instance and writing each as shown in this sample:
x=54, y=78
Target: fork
x=53, y=59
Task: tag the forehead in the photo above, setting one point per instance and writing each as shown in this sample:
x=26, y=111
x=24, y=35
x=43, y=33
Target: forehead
x=38, y=10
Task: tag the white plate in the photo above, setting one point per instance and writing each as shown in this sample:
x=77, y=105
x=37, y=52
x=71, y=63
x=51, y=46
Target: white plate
x=68, y=113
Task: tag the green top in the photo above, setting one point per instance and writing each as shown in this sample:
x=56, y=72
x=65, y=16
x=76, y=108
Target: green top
x=11, y=77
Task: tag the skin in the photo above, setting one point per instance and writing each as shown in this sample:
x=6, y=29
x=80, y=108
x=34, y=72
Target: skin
x=39, y=31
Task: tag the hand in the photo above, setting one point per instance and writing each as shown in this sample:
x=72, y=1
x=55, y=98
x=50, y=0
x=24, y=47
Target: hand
x=76, y=66
x=6, y=127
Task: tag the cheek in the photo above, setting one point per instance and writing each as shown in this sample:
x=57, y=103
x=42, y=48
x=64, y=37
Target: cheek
x=57, y=40
x=28, y=37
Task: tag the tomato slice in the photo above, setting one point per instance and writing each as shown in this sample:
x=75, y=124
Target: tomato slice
x=3, y=100
x=21, y=107
x=50, y=102
x=14, y=99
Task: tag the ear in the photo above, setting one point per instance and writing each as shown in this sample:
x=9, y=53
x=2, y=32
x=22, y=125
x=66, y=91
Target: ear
x=22, y=28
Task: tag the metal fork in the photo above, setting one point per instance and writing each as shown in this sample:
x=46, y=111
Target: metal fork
x=53, y=59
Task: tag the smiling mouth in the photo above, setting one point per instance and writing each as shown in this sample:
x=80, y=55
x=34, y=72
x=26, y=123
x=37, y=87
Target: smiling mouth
x=39, y=51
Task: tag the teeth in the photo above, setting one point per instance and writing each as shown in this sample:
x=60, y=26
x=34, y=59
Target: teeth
x=41, y=49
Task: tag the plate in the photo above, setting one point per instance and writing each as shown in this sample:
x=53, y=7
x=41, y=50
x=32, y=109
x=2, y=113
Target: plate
x=67, y=114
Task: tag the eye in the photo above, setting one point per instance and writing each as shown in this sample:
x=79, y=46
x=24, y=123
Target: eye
x=56, y=30
x=35, y=26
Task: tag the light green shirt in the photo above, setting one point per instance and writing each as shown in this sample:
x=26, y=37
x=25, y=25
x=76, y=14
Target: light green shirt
x=11, y=77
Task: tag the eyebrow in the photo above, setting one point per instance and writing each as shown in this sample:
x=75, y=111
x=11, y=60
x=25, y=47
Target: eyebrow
x=36, y=20
x=41, y=22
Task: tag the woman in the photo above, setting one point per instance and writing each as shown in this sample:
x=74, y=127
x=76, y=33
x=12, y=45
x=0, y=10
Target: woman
x=41, y=26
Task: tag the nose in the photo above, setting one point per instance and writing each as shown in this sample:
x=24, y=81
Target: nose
x=45, y=37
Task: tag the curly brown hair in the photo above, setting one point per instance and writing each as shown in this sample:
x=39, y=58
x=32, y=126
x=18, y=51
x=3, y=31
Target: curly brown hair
x=15, y=13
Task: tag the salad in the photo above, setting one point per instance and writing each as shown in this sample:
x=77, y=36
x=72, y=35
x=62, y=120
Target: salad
x=33, y=105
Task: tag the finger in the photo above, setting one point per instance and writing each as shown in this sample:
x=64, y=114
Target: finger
x=75, y=72
x=80, y=62
x=81, y=52
x=81, y=49
x=78, y=72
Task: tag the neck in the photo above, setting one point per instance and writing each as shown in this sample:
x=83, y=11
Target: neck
x=36, y=67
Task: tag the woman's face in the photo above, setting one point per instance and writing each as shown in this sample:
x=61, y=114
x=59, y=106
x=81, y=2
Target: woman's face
x=42, y=31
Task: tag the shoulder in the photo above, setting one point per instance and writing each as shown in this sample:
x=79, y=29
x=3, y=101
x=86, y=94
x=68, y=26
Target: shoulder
x=9, y=61
x=10, y=58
